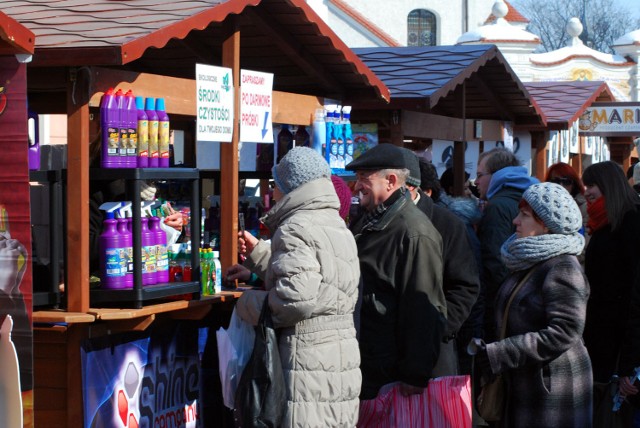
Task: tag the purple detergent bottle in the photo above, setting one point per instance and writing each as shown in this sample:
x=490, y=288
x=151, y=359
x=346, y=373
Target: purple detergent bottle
x=131, y=122
x=163, y=134
x=148, y=243
x=34, y=141
x=150, y=109
x=109, y=122
x=111, y=255
x=162, y=258
x=123, y=138
x=143, y=134
x=127, y=245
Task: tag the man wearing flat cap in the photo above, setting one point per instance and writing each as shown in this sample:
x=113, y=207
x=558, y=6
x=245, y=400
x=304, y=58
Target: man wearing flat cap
x=403, y=308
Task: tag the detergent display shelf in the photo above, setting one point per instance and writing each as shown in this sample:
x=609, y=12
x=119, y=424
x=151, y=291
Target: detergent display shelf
x=141, y=294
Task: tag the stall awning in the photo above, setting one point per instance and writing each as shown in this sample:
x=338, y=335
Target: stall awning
x=284, y=37
x=564, y=102
x=14, y=37
x=431, y=79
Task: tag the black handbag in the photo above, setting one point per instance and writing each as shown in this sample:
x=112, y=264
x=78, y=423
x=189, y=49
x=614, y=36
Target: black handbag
x=261, y=395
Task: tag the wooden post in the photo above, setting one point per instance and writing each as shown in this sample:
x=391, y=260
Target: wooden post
x=539, y=145
x=229, y=157
x=395, y=128
x=77, y=286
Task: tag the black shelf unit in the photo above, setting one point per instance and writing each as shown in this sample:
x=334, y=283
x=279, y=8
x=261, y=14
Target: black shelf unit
x=139, y=293
x=54, y=179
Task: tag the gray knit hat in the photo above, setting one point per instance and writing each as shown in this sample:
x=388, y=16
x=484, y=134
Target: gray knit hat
x=555, y=207
x=412, y=163
x=299, y=166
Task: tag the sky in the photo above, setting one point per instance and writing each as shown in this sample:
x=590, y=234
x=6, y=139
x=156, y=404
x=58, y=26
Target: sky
x=632, y=5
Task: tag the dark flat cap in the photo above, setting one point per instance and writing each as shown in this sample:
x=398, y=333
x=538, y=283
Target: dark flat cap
x=412, y=163
x=382, y=156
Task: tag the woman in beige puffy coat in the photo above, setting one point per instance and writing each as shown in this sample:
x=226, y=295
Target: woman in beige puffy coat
x=311, y=273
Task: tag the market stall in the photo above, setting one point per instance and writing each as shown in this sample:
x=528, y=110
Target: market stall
x=456, y=98
x=83, y=51
x=16, y=48
x=570, y=135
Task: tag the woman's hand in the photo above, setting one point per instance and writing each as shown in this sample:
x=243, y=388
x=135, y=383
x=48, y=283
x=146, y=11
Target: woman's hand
x=238, y=272
x=246, y=243
x=174, y=220
x=627, y=387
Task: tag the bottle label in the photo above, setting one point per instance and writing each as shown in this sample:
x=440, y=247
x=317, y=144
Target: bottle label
x=143, y=138
x=153, y=139
x=129, y=260
x=124, y=141
x=162, y=259
x=115, y=262
x=163, y=139
x=114, y=141
x=149, y=259
x=133, y=142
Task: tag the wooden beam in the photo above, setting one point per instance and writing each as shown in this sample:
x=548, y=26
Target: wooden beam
x=229, y=156
x=293, y=49
x=289, y=108
x=77, y=286
x=539, y=146
x=490, y=96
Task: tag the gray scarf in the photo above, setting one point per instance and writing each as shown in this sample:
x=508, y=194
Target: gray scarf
x=522, y=253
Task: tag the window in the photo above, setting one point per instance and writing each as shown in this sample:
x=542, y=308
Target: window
x=421, y=26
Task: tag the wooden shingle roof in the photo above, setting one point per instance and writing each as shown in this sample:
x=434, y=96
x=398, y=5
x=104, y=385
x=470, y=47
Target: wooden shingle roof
x=564, y=102
x=284, y=37
x=432, y=78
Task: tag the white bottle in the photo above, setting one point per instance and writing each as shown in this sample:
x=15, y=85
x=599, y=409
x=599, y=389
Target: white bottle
x=217, y=281
x=10, y=396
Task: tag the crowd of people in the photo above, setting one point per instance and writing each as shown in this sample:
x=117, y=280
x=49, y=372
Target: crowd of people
x=538, y=282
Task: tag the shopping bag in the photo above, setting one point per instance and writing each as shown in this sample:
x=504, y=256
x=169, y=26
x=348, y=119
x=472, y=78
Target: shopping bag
x=446, y=403
x=492, y=400
x=235, y=345
x=261, y=396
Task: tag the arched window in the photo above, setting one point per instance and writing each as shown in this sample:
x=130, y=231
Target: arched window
x=421, y=26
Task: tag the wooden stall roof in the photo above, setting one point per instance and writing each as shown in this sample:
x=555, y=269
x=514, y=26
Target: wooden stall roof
x=284, y=37
x=14, y=37
x=564, y=102
x=431, y=79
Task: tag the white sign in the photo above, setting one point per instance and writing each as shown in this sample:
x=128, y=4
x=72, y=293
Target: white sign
x=256, y=103
x=442, y=156
x=574, y=134
x=214, y=103
x=611, y=118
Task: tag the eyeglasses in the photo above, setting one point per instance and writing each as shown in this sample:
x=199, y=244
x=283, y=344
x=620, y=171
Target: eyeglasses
x=482, y=174
x=563, y=181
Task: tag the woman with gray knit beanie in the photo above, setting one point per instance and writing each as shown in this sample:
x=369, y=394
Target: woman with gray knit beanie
x=311, y=271
x=541, y=356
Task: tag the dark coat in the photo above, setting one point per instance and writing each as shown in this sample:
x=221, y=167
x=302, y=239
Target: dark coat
x=543, y=358
x=495, y=227
x=403, y=307
x=612, y=264
x=460, y=279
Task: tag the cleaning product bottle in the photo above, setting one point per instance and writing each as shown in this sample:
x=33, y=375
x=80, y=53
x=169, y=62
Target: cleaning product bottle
x=11, y=414
x=148, y=243
x=150, y=109
x=143, y=134
x=131, y=122
x=109, y=122
x=204, y=272
x=301, y=136
x=123, y=136
x=111, y=255
x=338, y=153
x=330, y=138
x=127, y=246
x=162, y=261
x=285, y=141
x=163, y=134
x=348, y=134
x=216, y=272
x=318, y=139
x=34, y=141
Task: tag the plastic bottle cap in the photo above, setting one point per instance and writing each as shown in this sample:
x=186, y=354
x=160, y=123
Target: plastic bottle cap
x=110, y=215
x=140, y=103
x=150, y=104
x=160, y=104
